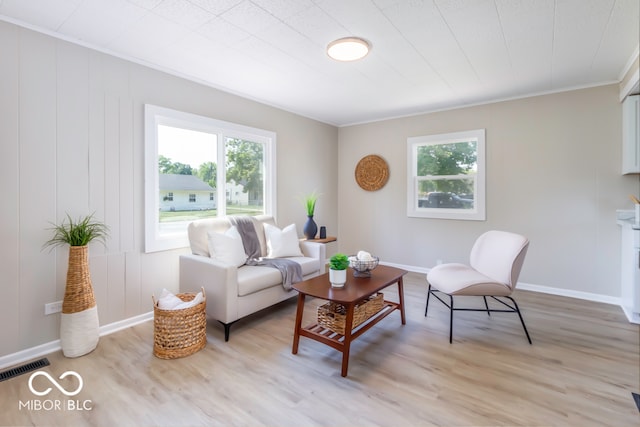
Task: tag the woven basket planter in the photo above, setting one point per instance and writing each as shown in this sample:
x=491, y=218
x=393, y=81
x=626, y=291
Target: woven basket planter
x=79, y=324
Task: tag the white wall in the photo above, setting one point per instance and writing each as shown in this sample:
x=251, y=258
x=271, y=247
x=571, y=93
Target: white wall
x=553, y=174
x=71, y=140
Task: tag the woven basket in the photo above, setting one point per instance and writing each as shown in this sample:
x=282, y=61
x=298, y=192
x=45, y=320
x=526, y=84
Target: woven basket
x=374, y=304
x=333, y=316
x=179, y=333
x=78, y=292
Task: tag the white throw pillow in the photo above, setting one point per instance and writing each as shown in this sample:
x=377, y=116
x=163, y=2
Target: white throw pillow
x=227, y=247
x=282, y=243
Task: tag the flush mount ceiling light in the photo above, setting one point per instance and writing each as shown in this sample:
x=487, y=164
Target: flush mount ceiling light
x=348, y=49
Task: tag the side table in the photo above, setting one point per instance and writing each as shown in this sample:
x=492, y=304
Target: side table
x=327, y=239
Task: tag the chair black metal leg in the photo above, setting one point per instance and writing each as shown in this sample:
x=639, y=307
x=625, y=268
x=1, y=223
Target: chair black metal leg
x=427, y=306
x=515, y=304
x=487, y=306
x=451, y=320
x=509, y=309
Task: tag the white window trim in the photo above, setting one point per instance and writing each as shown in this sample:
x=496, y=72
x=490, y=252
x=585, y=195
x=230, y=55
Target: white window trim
x=154, y=116
x=478, y=213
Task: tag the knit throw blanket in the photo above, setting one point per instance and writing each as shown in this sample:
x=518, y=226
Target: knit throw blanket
x=247, y=231
x=290, y=270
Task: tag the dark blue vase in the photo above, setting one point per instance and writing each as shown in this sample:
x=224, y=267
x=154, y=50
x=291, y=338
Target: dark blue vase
x=310, y=228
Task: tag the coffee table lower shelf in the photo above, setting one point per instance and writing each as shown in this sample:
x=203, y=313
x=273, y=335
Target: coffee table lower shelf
x=323, y=333
x=337, y=341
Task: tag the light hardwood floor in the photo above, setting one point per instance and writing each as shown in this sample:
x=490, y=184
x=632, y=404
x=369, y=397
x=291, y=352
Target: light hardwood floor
x=580, y=371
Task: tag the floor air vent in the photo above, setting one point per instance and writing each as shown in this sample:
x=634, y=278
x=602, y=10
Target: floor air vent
x=32, y=366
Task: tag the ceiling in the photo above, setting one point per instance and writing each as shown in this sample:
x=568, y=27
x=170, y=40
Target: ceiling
x=426, y=55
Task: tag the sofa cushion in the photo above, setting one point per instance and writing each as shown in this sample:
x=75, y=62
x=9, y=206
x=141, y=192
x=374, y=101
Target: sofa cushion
x=307, y=265
x=227, y=247
x=282, y=243
x=256, y=278
x=198, y=232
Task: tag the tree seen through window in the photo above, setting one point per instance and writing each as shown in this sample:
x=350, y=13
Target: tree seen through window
x=446, y=176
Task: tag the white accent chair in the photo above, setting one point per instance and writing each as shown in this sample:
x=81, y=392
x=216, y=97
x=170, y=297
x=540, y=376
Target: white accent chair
x=495, y=263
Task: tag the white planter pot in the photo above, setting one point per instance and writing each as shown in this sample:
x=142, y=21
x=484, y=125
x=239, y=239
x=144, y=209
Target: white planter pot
x=79, y=332
x=337, y=278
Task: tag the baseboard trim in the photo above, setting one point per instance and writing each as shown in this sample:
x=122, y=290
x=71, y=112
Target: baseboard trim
x=48, y=348
x=126, y=323
x=631, y=315
x=571, y=294
x=28, y=354
x=411, y=268
x=533, y=288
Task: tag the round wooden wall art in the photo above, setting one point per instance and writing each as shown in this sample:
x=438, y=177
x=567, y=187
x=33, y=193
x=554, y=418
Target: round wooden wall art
x=372, y=172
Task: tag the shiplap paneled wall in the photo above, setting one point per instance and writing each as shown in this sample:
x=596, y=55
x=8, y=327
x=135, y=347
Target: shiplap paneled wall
x=72, y=141
x=9, y=152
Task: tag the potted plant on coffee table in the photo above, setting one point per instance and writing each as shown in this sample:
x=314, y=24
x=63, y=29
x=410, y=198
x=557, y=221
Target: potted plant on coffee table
x=79, y=326
x=338, y=265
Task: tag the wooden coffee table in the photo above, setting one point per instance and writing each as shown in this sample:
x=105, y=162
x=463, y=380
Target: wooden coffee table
x=355, y=291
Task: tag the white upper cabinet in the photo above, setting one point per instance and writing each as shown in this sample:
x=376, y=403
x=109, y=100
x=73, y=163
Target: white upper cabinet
x=631, y=135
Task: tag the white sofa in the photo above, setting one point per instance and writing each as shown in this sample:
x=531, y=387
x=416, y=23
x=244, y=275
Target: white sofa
x=234, y=292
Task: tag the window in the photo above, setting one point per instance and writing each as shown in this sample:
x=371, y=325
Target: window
x=446, y=176
x=192, y=163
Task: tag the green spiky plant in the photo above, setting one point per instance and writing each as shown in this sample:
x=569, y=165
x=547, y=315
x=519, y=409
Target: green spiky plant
x=338, y=261
x=78, y=232
x=310, y=203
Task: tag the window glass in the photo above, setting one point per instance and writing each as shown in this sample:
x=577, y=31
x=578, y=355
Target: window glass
x=186, y=181
x=186, y=169
x=446, y=176
x=245, y=176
